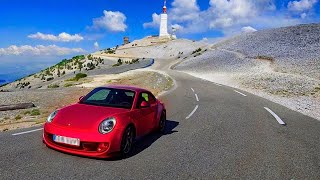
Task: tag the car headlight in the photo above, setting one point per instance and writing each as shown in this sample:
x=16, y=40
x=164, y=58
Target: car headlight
x=51, y=116
x=107, y=125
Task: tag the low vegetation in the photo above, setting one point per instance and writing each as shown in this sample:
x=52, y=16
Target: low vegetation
x=50, y=79
x=197, y=51
x=109, y=51
x=35, y=112
x=78, y=77
x=22, y=85
x=18, y=117
x=119, y=63
x=68, y=85
x=53, y=86
x=265, y=58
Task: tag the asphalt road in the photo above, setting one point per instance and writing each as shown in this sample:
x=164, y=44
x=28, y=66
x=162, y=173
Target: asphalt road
x=213, y=132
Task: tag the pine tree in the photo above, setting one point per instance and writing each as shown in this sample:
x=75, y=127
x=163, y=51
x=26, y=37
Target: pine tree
x=58, y=73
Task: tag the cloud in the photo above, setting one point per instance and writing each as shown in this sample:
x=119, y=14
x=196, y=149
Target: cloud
x=96, y=45
x=230, y=16
x=39, y=50
x=302, y=5
x=303, y=15
x=62, y=37
x=248, y=29
x=111, y=21
x=225, y=14
x=184, y=10
x=178, y=27
x=155, y=22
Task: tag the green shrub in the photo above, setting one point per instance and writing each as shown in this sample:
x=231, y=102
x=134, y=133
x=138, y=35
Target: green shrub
x=68, y=85
x=110, y=51
x=77, y=77
x=53, y=86
x=119, y=63
x=50, y=78
x=80, y=75
x=197, y=50
x=91, y=66
x=18, y=117
x=35, y=112
x=135, y=61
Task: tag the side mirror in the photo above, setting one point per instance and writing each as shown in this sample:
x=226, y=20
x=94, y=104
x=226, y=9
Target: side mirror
x=144, y=104
x=80, y=98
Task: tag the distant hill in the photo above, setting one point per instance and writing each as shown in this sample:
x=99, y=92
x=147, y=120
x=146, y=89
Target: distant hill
x=294, y=49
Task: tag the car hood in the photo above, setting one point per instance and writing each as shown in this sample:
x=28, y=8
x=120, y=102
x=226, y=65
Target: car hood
x=85, y=117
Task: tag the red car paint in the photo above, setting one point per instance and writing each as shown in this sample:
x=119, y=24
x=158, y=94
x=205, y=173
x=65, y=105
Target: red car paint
x=82, y=121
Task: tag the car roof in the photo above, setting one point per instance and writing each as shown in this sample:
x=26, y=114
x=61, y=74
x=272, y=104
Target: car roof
x=132, y=88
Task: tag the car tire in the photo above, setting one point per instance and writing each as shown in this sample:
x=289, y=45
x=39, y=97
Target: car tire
x=127, y=141
x=162, y=123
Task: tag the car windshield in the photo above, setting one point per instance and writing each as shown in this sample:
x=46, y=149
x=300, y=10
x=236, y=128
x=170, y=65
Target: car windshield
x=119, y=98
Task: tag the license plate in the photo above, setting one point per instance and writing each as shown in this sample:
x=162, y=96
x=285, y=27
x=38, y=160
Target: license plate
x=66, y=140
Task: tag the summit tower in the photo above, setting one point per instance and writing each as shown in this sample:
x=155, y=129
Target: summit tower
x=164, y=22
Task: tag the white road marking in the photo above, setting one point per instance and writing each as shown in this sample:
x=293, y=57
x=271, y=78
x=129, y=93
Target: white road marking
x=192, y=89
x=240, y=93
x=15, y=134
x=197, y=97
x=194, y=110
x=275, y=116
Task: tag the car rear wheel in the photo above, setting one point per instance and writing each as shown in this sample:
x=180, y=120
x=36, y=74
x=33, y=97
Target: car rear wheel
x=162, y=122
x=127, y=141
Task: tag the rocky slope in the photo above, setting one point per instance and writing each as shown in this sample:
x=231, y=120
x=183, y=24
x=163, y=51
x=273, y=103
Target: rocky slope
x=151, y=47
x=282, y=65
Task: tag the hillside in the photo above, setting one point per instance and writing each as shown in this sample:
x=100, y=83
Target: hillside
x=282, y=65
x=151, y=47
x=294, y=49
x=63, y=74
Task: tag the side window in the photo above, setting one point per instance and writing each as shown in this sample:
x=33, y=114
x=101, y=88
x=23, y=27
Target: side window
x=152, y=99
x=146, y=97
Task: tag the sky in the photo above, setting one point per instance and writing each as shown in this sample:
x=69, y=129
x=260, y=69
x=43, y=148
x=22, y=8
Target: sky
x=35, y=34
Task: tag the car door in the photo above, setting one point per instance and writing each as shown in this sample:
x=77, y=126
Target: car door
x=145, y=115
x=154, y=108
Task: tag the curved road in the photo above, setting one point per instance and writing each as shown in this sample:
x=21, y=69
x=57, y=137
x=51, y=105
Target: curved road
x=213, y=132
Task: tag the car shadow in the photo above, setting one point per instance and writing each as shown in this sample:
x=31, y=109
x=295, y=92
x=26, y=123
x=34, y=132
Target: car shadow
x=146, y=141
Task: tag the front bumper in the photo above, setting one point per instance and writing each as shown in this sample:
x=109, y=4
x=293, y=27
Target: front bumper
x=91, y=144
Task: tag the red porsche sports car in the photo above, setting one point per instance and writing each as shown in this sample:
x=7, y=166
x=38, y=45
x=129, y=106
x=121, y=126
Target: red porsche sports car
x=105, y=122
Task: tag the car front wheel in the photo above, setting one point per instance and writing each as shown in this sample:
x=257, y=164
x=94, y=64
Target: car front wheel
x=162, y=122
x=127, y=141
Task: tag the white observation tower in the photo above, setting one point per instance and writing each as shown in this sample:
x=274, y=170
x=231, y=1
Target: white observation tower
x=164, y=22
